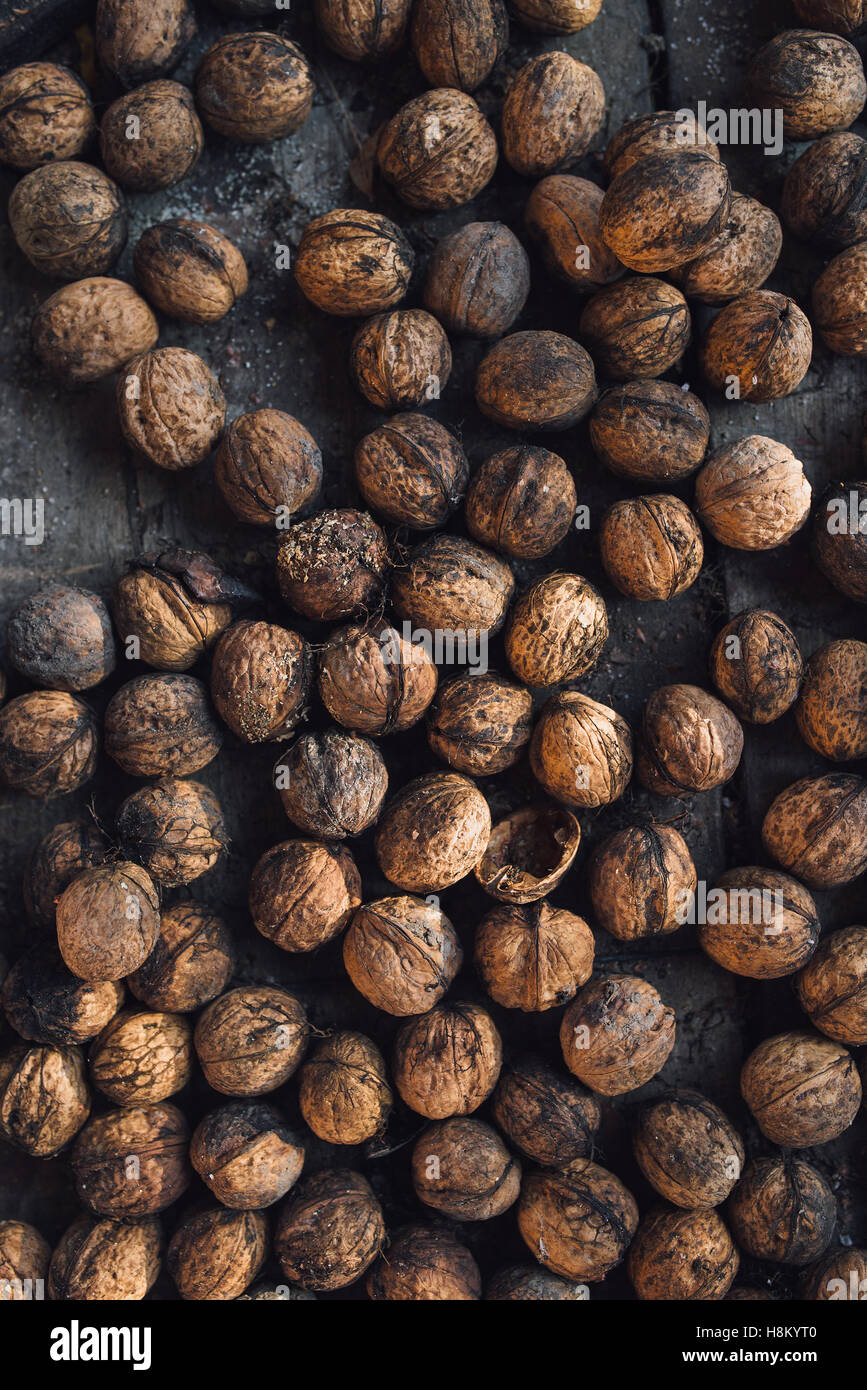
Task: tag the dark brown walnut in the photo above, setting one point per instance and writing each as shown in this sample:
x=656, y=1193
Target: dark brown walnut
x=137, y=40
x=99, y=1260
x=581, y=751
x=817, y=829
x=759, y=923
x=816, y=80
x=90, y=328
x=552, y=114
x=438, y=151
x=536, y=381
x=688, y=742
x=332, y=785
x=400, y=360
x=447, y=1061
x=24, y=1257
x=251, y=1040
x=656, y=133
x=260, y=680
x=330, y=1231
x=641, y=880
x=688, y=1256
x=159, y=603
x=740, y=258
x=254, y=87
x=268, y=468
x=215, y=1254
x=151, y=138
x=638, y=327
x=521, y=502
x=825, y=192
x=652, y=431
x=189, y=270
x=839, y=541
x=65, y=851
x=651, y=547
x=480, y=724
x=45, y=1003
x=478, y=280
x=562, y=216
x=550, y=1117
x=191, y=964
x=758, y=347
x=531, y=1283
x=412, y=471
x=171, y=407
x=534, y=957
x=62, y=637
x=847, y=17
x=371, y=678
x=458, y=42
x=665, y=209
x=132, y=1162
x=402, y=954
x=556, y=630
x=303, y=893
x=333, y=565
x=617, y=1034
x=174, y=828
x=802, y=1089
x=528, y=853
x=364, y=30
x=247, y=1155
x=353, y=262
x=343, y=1091
x=161, y=723
x=142, y=1058
x=687, y=1149
x=842, y=1275
x=782, y=1210
x=464, y=1171
x=840, y=302
x=556, y=17
x=44, y=1097
x=577, y=1220
x=48, y=743
x=69, y=219
x=452, y=588
x=756, y=665
x=832, y=987
x=432, y=832
x=425, y=1265
x=832, y=707
x=45, y=115
x=753, y=494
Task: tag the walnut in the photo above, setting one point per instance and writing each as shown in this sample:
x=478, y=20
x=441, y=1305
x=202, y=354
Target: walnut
x=802, y=1089
x=374, y=680
x=760, y=345
x=665, y=209
x=260, y=680
x=783, y=1210
x=839, y=1276
x=824, y=192
x=175, y=828
x=171, y=407
x=617, y=1034
x=90, y=328
x=840, y=543
x=353, y=262
x=246, y=1155
x=192, y=962
x=756, y=665
x=62, y=637
x=24, y=1257
x=142, y=1058
x=253, y=87
x=161, y=723
x=577, y=1220
x=556, y=630
x=447, y=1061
x=457, y=44
x=268, y=467
x=840, y=302
x=303, y=893
x=48, y=743
x=528, y=853
x=401, y=359
x=45, y=114
x=480, y=724
x=817, y=829
x=552, y=114
x=189, y=271
x=69, y=219
x=173, y=617
x=740, y=258
x=478, y=280
x=343, y=1092
x=170, y=138
x=847, y=17
x=581, y=751
x=534, y=1284
x=59, y=858
x=438, y=151
x=330, y=1232
x=463, y=1170
x=689, y=742
x=132, y=1162
x=44, y=1097
x=216, y=1254
x=550, y=1117
x=536, y=381
x=688, y=1149
x=817, y=80
x=45, y=1003
x=641, y=878
x=425, y=1264
x=656, y=133
x=684, y=1255
x=521, y=501
x=651, y=547
x=333, y=784
x=333, y=565
x=832, y=708
x=251, y=1040
x=562, y=215
x=402, y=954
x=412, y=471
x=432, y=832
x=652, y=431
x=832, y=987
x=137, y=40
x=452, y=587
x=637, y=327
x=365, y=30
x=99, y=1260
x=533, y=958
x=557, y=16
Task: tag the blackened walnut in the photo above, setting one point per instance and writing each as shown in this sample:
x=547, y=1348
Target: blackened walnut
x=562, y=215
x=191, y=963
x=168, y=142
x=840, y=538
x=332, y=784
x=402, y=954
x=689, y=742
x=840, y=302
x=478, y=280
x=90, y=328
x=45, y=1003
x=251, y=1040
x=412, y=471
x=816, y=80
x=617, y=1034
x=142, y=1058
x=137, y=40
x=802, y=1089
x=521, y=501
x=534, y=1284
x=48, y=743
x=825, y=192
x=682, y=1255
x=752, y=494
x=651, y=547
x=254, y=87
x=438, y=151
x=756, y=665
x=401, y=359
x=740, y=257
x=656, y=133
x=156, y=603
x=45, y=114
x=832, y=708
x=759, y=345
x=665, y=210
x=533, y=958
x=303, y=893
x=330, y=1231
x=556, y=630
x=432, y=832
x=132, y=1162
x=528, y=853
x=480, y=724
x=462, y=1169
x=333, y=565
x=652, y=431
x=69, y=219
x=260, y=680
x=759, y=923
x=549, y=1116
x=62, y=638
x=216, y=1254
x=58, y=858
x=536, y=380
x=161, y=723
x=447, y=1061
x=450, y=585
x=552, y=114
x=687, y=1149
x=637, y=327
x=372, y=679
x=343, y=1092
x=24, y=1257
x=174, y=828
x=44, y=1098
x=353, y=262
x=171, y=407
x=268, y=467
x=782, y=1210
x=581, y=751
x=641, y=878
x=832, y=987
x=247, y=1155
x=817, y=829
x=458, y=42
x=577, y=1220
x=101, y=1260
x=364, y=30
x=189, y=270
x=425, y=1264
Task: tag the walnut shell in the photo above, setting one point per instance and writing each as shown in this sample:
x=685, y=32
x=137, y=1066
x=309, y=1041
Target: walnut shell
x=353, y=262
x=454, y=591
x=802, y=1089
x=24, y=1258
x=577, y=1220
x=400, y=360
x=45, y=114
x=143, y=39
x=665, y=210
x=817, y=829
x=617, y=1034
x=246, y=1155
x=656, y=133
x=132, y=1162
x=69, y=219
x=175, y=828
x=412, y=471
x=556, y=17
x=816, y=80
x=333, y=565
x=447, y=1061
x=251, y=1040
x=90, y=328
x=651, y=547
x=425, y=1264
x=759, y=923
x=333, y=784
x=652, y=431
x=98, y=1260
x=536, y=381
x=740, y=258
x=191, y=964
x=521, y=502
x=171, y=407
x=756, y=665
x=62, y=637
x=842, y=1275
x=832, y=708
x=59, y=858
x=531, y=1283
x=840, y=538
x=480, y=724
x=463, y=1170
x=837, y=16
x=688, y=1149
x=550, y=1117
x=171, y=624
x=142, y=1058
x=689, y=742
x=151, y=138
x=832, y=987
x=161, y=723
x=44, y=1097
x=533, y=958
x=478, y=280
x=268, y=467
x=438, y=151
x=528, y=853
x=343, y=1092
x=458, y=42
x=640, y=879
x=581, y=751
x=556, y=630
x=562, y=216
x=432, y=832
x=840, y=302
x=682, y=1255
x=330, y=1232
x=260, y=680
x=365, y=30
x=638, y=327
x=303, y=893
x=216, y=1254
x=758, y=347
x=552, y=114
x=253, y=87
x=782, y=1210
x=189, y=270
x=45, y=1003
x=374, y=680
x=48, y=743
x=825, y=192
x=402, y=954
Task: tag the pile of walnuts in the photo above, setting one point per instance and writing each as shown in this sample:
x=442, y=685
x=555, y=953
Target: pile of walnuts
x=132, y=989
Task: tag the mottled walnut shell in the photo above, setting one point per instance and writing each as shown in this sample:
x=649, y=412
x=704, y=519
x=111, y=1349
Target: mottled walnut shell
x=581, y=751
x=24, y=1258
x=528, y=853
x=550, y=1117
x=333, y=565
x=400, y=360
x=45, y=114
x=45, y=1003
x=247, y=1155
x=688, y=1149
x=536, y=381
x=268, y=467
x=62, y=637
x=457, y=42
x=353, y=262
x=253, y=87
x=817, y=829
x=760, y=343
x=343, y=1092
x=463, y=1170
x=48, y=743
x=739, y=259
x=172, y=627
x=59, y=858
x=69, y=220
x=840, y=302
x=412, y=471
x=556, y=630
x=665, y=209
x=577, y=1220
x=832, y=987
x=552, y=114
x=556, y=17
x=365, y=29
x=402, y=954
x=521, y=502
x=847, y=17
x=142, y=1058
x=374, y=680
x=137, y=40
x=652, y=431
x=108, y=920
x=251, y=1040
x=98, y=1260
x=272, y=1291
x=189, y=271
x=260, y=680
x=638, y=327
x=447, y=1061
x=191, y=963
x=175, y=828
x=432, y=832
x=216, y=1254
x=333, y=784
x=533, y=958
x=480, y=724
x=303, y=893
x=782, y=1210
x=478, y=280
x=562, y=215
x=171, y=407
x=330, y=1232
x=169, y=141
x=161, y=723
x=832, y=708
x=842, y=1275
x=425, y=1265
x=531, y=1283
x=656, y=133
x=802, y=1089
x=651, y=547
x=840, y=544
x=640, y=878
x=132, y=1162
x=756, y=665
x=816, y=80
x=617, y=1034
x=825, y=192
x=44, y=1098
x=688, y=1256
x=452, y=588
x=438, y=152
x=689, y=742
x=90, y=328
